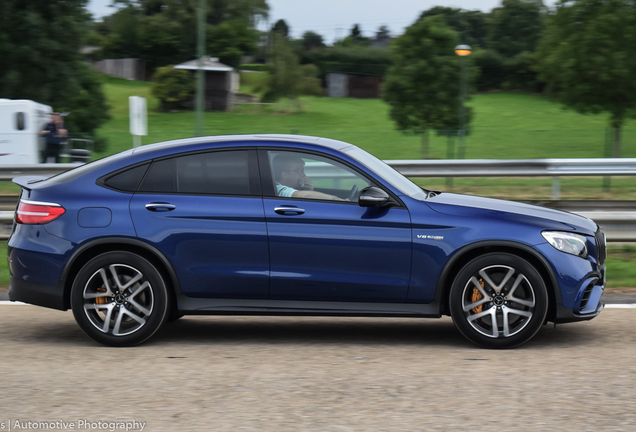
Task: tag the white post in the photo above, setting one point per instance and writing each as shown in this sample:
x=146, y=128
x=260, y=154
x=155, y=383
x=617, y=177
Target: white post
x=138, y=118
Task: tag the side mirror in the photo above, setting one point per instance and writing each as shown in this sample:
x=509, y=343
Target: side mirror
x=373, y=197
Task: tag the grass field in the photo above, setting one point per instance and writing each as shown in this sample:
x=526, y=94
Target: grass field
x=505, y=126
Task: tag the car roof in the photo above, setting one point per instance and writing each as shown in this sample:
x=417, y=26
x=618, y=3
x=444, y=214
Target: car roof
x=323, y=142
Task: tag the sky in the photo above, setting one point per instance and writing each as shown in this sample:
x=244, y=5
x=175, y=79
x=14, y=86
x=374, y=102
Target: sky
x=333, y=19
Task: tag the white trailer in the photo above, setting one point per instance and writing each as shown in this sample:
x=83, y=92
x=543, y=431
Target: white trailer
x=20, y=124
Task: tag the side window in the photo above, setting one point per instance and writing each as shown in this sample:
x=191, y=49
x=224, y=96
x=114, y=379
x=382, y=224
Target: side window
x=127, y=181
x=309, y=176
x=218, y=173
x=20, y=121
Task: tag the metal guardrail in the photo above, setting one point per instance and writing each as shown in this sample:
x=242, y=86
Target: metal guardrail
x=618, y=225
x=554, y=168
x=516, y=167
x=8, y=172
x=440, y=168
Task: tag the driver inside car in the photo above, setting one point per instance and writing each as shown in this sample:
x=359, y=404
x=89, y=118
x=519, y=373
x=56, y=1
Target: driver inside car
x=291, y=181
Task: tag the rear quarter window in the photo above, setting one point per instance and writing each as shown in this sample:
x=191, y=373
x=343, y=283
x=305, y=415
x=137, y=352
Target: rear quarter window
x=128, y=180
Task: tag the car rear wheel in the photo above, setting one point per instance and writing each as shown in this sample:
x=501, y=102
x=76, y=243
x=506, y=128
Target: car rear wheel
x=119, y=299
x=498, y=300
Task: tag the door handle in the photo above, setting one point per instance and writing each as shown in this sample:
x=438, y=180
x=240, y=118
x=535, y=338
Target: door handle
x=160, y=207
x=289, y=210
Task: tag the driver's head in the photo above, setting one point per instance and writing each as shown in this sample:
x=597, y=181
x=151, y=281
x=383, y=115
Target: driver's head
x=289, y=170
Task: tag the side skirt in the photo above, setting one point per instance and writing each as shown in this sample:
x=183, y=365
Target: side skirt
x=205, y=306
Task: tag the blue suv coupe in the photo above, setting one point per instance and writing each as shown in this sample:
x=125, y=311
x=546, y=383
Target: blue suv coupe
x=291, y=225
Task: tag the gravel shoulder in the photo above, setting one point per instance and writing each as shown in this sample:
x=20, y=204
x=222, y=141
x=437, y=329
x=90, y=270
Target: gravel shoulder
x=320, y=374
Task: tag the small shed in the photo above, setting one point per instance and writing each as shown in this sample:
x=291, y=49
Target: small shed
x=221, y=82
x=353, y=85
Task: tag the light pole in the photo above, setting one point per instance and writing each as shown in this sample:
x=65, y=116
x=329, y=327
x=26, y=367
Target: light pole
x=462, y=51
x=200, y=93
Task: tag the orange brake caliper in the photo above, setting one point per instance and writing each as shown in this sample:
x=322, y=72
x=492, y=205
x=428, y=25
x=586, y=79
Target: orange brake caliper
x=101, y=300
x=477, y=296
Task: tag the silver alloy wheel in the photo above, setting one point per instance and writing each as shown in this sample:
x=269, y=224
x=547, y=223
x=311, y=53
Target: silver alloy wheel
x=118, y=299
x=498, y=301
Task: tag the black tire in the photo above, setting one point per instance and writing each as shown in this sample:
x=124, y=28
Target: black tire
x=119, y=299
x=498, y=300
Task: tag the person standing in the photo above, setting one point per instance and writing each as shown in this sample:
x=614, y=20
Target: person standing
x=55, y=134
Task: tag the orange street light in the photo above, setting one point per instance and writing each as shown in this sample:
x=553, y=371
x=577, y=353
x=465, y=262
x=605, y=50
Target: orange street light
x=463, y=50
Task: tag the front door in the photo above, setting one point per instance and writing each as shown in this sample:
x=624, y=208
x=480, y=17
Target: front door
x=323, y=246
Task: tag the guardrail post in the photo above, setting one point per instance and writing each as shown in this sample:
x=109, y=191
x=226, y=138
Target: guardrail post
x=450, y=154
x=609, y=140
x=556, y=188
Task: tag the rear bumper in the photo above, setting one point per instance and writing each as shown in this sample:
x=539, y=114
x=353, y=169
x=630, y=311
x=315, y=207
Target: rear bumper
x=36, y=294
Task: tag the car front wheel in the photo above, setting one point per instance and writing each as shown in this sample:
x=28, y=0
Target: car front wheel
x=119, y=299
x=498, y=300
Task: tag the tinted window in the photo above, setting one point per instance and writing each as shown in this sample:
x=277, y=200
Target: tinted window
x=160, y=177
x=128, y=180
x=224, y=173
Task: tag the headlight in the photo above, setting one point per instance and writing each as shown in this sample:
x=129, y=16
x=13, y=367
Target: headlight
x=567, y=242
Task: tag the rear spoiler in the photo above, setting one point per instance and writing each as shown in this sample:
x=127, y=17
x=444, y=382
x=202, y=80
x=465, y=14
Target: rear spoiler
x=25, y=182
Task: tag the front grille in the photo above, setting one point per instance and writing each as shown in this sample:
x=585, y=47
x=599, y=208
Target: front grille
x=601, y=246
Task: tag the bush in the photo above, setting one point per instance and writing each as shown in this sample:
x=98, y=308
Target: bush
x=521, y=73
x=358, y=59
x=310, y=84
x=254, y=82
x=499, y=73
x=257, y=67
x=492, y=73
x=173, y=87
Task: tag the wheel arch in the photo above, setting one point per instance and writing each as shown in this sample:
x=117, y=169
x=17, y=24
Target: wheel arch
x=469, y=252
x=97, y=247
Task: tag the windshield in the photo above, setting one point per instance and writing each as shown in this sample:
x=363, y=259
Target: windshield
x=389, y=174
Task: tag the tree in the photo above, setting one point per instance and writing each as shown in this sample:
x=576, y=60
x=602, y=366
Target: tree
x=422, y=86
x=312, y=40
x=356, y=35
x=382, y=35
x=472, y=26
x=165, y=31
x=40, y=45
x=230, y=40
x=281, y=28
x=588, y=59
x=516, y=26
x=285, y=74
x=123, y=40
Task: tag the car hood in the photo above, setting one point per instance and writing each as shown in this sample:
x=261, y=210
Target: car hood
x=479, y=207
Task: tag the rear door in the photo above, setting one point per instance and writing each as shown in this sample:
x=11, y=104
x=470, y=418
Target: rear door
x=204, y=212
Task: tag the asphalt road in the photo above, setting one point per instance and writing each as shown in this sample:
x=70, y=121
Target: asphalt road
x=337, y=374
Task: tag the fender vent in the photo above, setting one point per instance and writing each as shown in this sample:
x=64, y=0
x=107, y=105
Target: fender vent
x=586, y=295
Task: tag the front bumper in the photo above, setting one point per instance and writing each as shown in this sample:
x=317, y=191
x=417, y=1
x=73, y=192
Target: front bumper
x=587, y=302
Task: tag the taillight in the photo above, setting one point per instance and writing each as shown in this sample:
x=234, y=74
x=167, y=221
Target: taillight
x=34, y=212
